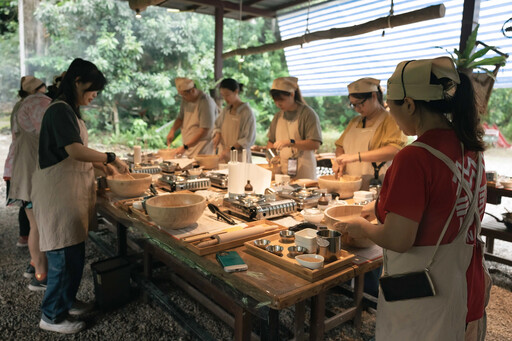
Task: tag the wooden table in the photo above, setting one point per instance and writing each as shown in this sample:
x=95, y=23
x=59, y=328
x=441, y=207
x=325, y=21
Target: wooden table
x=494, y=230
x=260, y=292
x=494, y=194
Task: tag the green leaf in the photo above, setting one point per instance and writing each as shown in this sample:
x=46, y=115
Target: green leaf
x=470, y=43
x=479, y=53
x=499, y=60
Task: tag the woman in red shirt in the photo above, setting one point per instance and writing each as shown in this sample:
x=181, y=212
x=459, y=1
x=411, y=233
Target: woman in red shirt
x=430, y=208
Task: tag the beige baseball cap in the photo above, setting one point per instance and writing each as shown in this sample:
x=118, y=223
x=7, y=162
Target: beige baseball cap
x=416, y=79
x=288, y=84
x=30, y=84
x=364, y=85
x=184, y=84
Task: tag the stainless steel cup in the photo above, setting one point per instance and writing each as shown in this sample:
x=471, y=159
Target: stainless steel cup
x=329, y=242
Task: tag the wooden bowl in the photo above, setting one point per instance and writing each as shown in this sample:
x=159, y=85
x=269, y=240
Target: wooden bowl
x=336, y=214
x=176, y=210
x=207, y=161
x=167, y=154
x=345, y=186
x=124, y=186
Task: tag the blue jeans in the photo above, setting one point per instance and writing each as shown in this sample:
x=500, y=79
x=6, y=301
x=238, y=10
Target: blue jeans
x=371, y=282
x=65, y=268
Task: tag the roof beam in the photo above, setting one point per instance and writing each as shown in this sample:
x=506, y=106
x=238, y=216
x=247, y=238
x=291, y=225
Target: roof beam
x=290, y=4
x=232, y=7
x=427, y=13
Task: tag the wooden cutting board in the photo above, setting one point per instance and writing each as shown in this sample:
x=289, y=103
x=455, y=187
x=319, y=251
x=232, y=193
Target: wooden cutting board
x=290, y=264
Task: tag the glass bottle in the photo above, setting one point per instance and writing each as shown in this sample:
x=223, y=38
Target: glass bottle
x=323, y=202
x=248, y=188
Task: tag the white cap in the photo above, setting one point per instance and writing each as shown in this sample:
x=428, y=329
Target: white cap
x=288, y=84
x=30, y=84
x=184, y=84
x=364, y=85
x=416, y=79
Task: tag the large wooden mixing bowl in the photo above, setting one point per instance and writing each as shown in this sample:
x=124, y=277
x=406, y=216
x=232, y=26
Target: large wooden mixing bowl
x=335, y=218
x=345, y=186
x=129, y=186
x=176, y=210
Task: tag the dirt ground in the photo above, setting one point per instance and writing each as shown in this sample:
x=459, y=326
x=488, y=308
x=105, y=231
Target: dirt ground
x=19, y=308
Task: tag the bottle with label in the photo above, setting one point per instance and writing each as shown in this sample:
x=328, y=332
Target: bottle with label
x=323, y=202
x=248, y=188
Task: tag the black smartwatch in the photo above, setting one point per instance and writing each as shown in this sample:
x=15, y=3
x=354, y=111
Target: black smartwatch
x=185, y=146
x=233, y=148
x=292, y=141
x=111, y=157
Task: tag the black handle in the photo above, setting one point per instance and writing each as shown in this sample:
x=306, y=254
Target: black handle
x=215, y=210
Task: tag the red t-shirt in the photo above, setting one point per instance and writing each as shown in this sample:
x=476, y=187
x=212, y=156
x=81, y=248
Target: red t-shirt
x=422, y=188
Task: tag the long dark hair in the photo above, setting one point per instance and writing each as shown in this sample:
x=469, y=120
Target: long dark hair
x=279, y=94
x=84, y=72
x=231, y=84
x=462, y=109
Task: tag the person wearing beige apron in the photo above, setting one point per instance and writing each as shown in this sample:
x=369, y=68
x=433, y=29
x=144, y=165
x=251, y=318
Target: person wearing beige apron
x=63, y=194
x=430, y=209
x=371, y=139
x=196, y=119
x=27, y=125
x=294, y=131
x=235, y=127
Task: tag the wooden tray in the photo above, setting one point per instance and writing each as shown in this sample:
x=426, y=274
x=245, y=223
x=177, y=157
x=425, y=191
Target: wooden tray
x=290, y=264
x=201, y=251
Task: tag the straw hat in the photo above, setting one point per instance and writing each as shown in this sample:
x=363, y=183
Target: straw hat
x=364, y=85
x=288, y=84
x=184, y=84
x=414, y=77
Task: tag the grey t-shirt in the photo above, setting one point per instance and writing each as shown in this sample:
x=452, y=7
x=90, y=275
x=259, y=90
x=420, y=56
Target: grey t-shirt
x=309, y=123
x=207, y=110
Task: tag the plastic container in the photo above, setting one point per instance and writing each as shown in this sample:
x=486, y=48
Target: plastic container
x=111, y=282
x=306, y=238
x=361, y=196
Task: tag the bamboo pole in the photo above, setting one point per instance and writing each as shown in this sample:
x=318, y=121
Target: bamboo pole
x=427, y=13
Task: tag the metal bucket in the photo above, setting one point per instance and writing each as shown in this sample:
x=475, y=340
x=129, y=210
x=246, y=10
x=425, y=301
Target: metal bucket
x=329, y=244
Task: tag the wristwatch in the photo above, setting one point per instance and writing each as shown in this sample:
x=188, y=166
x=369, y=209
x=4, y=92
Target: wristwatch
x=292, y=141
x=185, y=146
x=111, y=157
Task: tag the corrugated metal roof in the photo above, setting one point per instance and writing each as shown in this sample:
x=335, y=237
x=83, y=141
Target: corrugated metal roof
x=325, y=67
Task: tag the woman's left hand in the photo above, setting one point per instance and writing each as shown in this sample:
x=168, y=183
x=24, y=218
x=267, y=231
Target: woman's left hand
x=354, y=228
x=282, y=144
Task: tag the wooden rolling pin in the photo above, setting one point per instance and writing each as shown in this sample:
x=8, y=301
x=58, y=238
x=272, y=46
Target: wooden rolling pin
x=235, y=235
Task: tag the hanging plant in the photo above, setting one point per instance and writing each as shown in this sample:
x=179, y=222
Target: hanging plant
x=468, y=60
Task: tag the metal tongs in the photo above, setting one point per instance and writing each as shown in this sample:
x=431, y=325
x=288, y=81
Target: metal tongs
x=221, y=215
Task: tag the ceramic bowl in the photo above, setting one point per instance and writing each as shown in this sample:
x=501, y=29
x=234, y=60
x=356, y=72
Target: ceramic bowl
x=195, y=171
x=506, y=183
x=129, y=186
x=167, y=153
x=336, y=214
x=176, y=210
x=311, y=261
x=312, y=215
x=275, y=249
x=345, y=186
x=207, y=161
x=294, y=251
x=261, y=243
x=287, y=236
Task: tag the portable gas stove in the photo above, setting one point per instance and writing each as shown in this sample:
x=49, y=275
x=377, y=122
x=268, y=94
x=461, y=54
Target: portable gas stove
x=304, y=197
x=258, y=206
x=219, y=180
x=179, y=181
x=144, y=168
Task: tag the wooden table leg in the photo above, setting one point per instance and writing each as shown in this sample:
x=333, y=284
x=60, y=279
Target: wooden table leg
x=300, y=316
x=317, y=325
x=243, y=326
x=121, y=240
x=489, y=244
x=358, y=300
x=270, y=327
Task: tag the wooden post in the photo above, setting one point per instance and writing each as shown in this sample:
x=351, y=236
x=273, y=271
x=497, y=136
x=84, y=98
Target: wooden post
x=21, y=28
x=427, y=13
x=219, y=26
x=470, y=15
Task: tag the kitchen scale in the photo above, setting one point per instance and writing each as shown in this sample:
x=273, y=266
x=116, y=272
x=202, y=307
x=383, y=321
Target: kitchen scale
x=179, y=180
x=258, y=206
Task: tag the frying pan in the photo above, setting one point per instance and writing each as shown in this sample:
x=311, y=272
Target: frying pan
x=507, y=219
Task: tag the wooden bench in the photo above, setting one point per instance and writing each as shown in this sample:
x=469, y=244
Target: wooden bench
x=492, y=230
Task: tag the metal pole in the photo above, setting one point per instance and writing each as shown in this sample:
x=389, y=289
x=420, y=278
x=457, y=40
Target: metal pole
x=21, y=29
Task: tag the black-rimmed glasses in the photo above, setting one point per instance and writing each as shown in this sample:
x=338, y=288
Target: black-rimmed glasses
x=353, y=106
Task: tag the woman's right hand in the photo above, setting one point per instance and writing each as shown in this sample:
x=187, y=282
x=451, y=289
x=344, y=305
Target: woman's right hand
x=121, y=166
x=368, y=211
x=337, y=168
x=216, y=140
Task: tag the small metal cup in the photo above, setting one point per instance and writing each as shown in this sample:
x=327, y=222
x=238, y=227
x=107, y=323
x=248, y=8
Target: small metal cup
x=329, y=242
x=275, y=249
x=287, y=236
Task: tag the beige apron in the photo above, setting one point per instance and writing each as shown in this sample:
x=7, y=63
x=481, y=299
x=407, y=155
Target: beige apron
x=190, y=128
x=230, y=131
x=26, y=146
x=357, y=140
x=306, y=163
x=443, y=316
x=64, y=200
